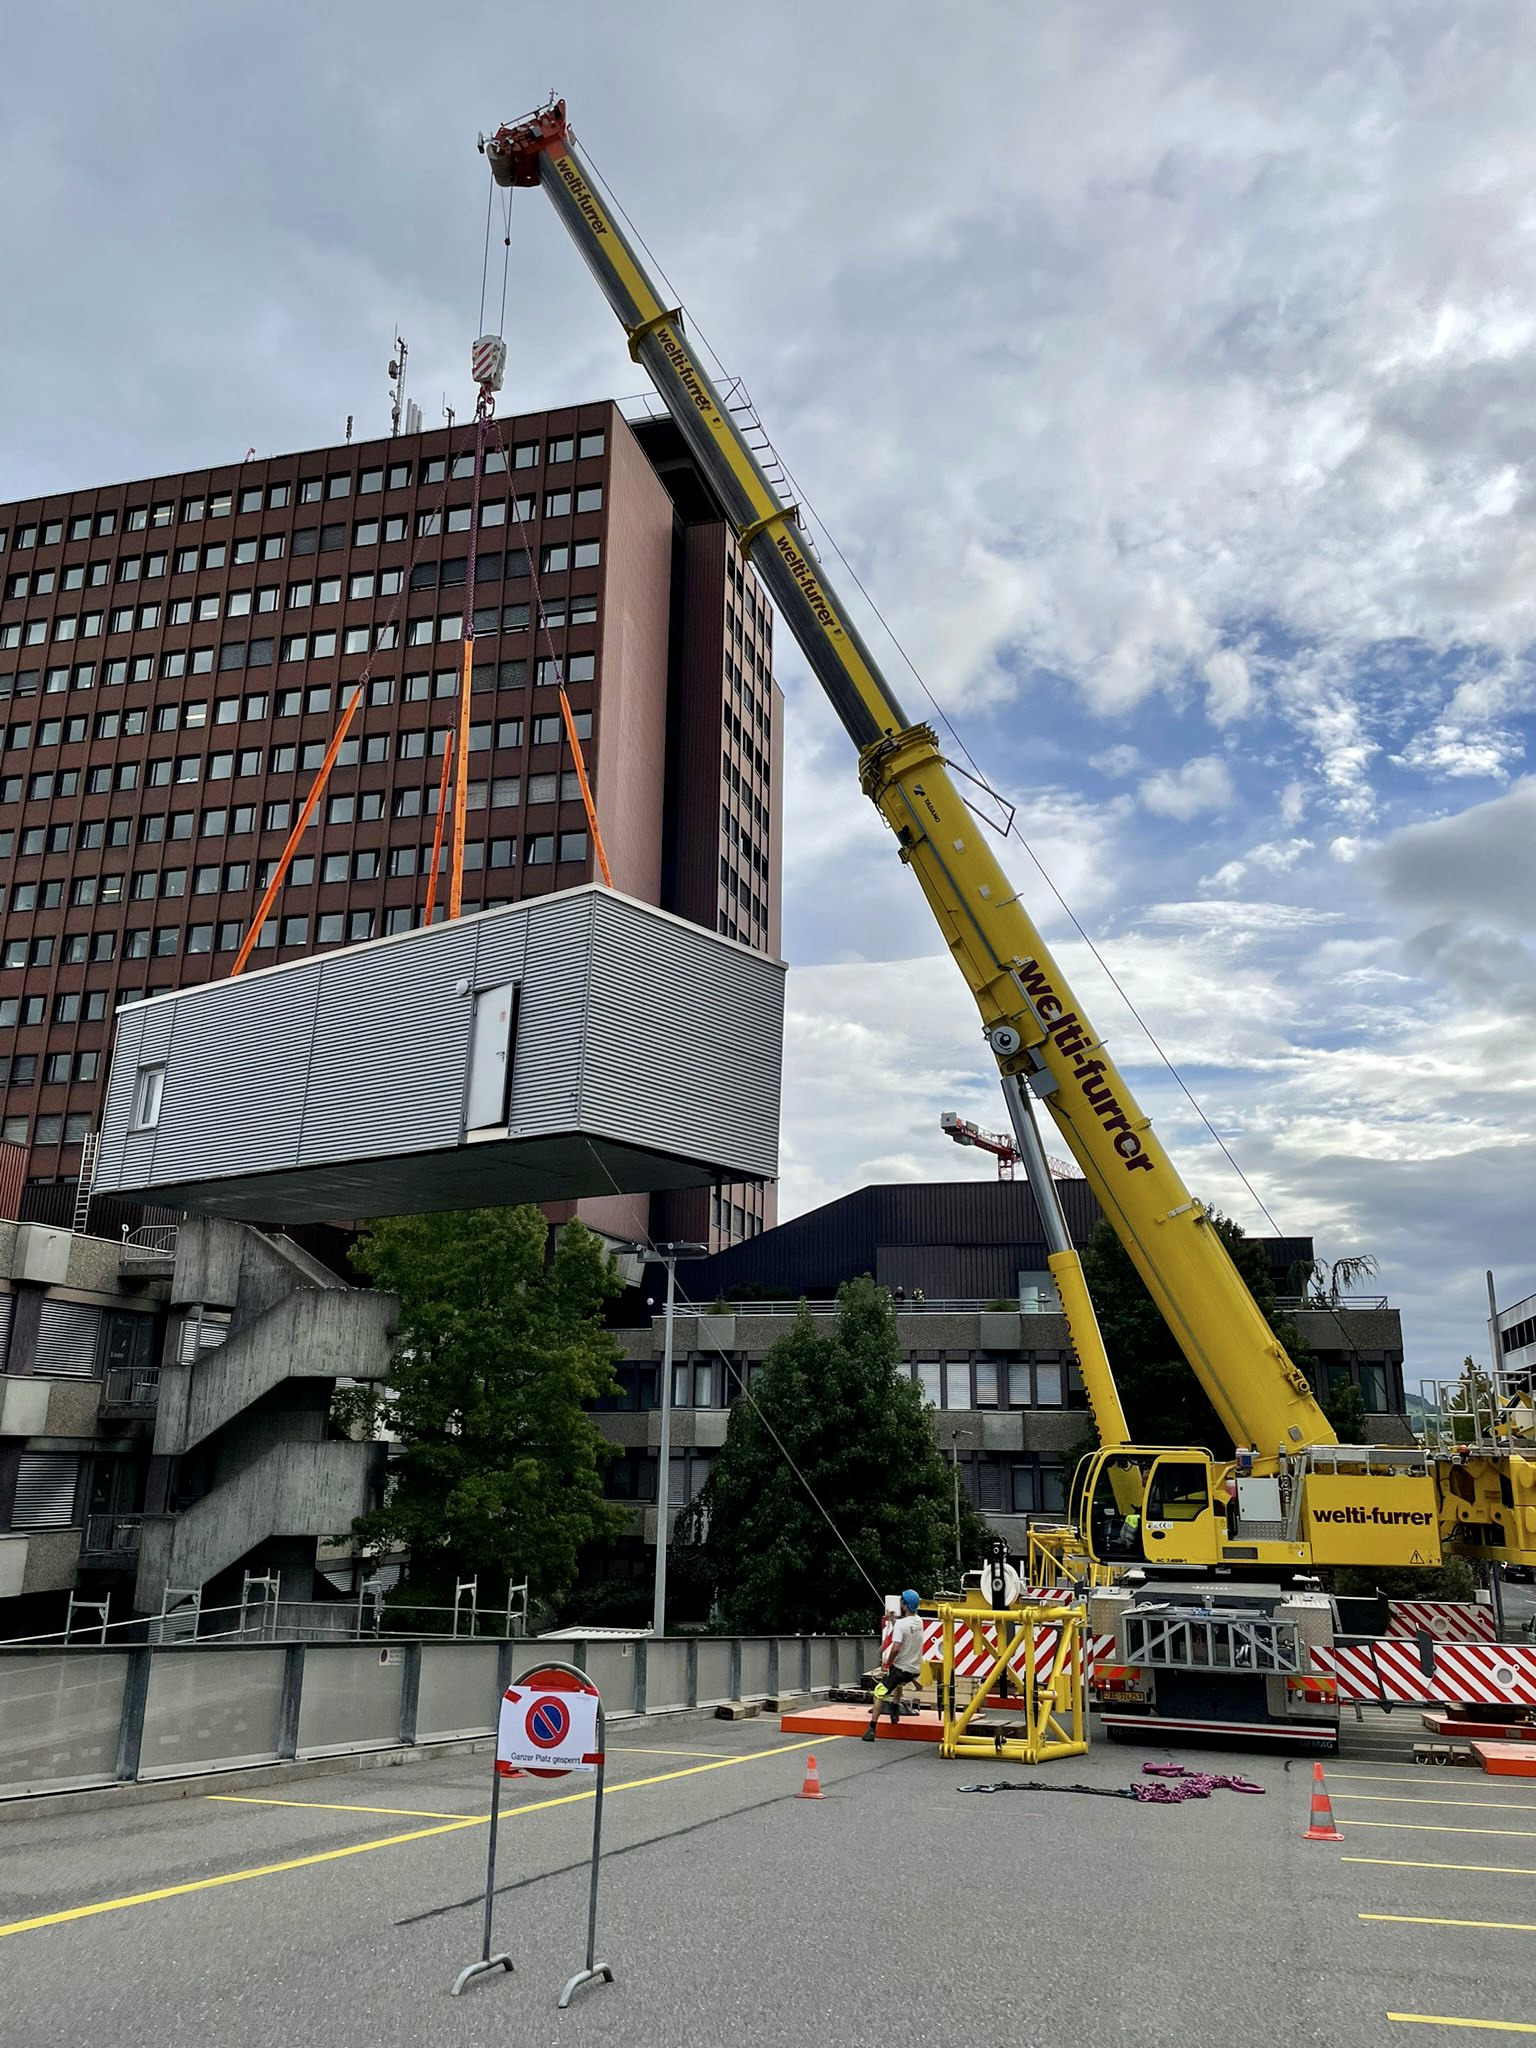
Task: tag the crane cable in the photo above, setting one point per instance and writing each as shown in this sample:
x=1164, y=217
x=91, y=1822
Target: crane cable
x=681, y=1294
x=1011, y=829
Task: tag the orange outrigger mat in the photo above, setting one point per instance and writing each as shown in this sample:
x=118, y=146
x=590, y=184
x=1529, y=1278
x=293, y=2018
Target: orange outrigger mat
x=1507, y=1759
x=1477, y=1728
x=847, y=1719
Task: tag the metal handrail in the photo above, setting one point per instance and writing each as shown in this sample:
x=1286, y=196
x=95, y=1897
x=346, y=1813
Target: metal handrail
x=132, y=1386
x=151, y=1242
x=954, y=1305
x=112, y=1532
x=1326, y=1304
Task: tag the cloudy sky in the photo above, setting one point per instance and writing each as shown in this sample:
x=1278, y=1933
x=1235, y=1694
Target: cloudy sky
x=1166, y=371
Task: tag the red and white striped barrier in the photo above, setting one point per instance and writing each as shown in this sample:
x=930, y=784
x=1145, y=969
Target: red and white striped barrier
x=976, y=1647
x=1448, y=1621
x=1389, y=1671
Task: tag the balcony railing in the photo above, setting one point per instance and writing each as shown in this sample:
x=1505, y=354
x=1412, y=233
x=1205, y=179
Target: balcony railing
x=153, y=1244
x=1327, y=1304
x=110, y=1535
x=131, y=1390
x=910, y=1305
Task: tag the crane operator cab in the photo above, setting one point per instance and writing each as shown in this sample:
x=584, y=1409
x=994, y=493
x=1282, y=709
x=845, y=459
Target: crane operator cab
x=1138, y=1506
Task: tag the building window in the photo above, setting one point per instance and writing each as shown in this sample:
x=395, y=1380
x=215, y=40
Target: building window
x=148, y=1093
x=541, y=849
x=930, y=1377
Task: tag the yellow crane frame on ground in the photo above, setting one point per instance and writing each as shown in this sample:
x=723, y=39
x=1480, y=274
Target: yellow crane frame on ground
x=1038, y=1648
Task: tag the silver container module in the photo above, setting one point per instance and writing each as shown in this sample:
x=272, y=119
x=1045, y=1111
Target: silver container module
x=576, y=1044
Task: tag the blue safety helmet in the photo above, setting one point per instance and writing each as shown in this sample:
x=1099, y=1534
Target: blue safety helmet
x=909, y=1601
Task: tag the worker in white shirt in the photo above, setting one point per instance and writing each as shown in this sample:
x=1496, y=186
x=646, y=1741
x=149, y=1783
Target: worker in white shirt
x=902, y=1664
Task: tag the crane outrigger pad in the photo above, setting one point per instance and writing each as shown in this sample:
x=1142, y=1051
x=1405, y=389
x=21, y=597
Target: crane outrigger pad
x=571, y=1045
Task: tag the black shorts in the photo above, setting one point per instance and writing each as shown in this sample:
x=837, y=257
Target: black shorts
x=895, y=1678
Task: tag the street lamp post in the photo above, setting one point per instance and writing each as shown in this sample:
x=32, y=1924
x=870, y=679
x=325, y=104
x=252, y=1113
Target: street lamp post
x=669, y=1254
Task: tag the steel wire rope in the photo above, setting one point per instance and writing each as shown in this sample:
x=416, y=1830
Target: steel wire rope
x=663, y=1502
x=506, y=256
x=1012, y=829
x=485, y=259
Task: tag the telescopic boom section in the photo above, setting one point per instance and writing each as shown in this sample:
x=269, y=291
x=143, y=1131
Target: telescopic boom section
x=1034, y=1024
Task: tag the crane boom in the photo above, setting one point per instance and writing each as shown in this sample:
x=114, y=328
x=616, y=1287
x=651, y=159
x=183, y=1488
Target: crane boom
x=1038, y=1030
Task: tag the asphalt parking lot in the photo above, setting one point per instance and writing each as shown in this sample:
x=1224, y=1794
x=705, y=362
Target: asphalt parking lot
x=338, y=1910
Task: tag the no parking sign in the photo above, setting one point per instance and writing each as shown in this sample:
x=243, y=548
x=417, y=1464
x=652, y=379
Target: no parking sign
x=550, y=1722
x=547, y=1725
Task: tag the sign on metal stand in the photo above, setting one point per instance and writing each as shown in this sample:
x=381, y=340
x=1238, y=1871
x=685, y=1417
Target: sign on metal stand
x=550, y=1723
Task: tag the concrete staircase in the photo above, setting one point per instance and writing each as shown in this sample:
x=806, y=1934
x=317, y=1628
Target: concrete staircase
x=292, y=1490
x=260, y=1333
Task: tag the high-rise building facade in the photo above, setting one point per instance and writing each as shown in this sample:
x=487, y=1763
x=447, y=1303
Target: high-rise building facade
x=175, y=654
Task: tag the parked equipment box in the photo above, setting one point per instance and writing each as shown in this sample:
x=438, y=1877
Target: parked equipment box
x=576, y=1044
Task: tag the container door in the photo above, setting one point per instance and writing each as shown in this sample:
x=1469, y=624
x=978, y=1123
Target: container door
x=490, y=1057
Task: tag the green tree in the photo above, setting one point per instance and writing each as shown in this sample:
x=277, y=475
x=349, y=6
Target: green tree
x=498, y=1471
x=1345, y=1409
x=858, y=1430
x=1164, y=1403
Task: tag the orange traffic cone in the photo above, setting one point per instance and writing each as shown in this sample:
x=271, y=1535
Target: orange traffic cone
x=811, y=1789
x=1322, y=1828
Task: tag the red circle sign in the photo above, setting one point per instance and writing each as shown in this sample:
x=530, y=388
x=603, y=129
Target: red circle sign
x=548, y=1721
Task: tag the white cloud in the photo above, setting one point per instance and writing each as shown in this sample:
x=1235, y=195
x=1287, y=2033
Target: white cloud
x=1229, y=686
x=1117, y=762
x=1449, y=749
x=1271, y=856
x=1199, y=787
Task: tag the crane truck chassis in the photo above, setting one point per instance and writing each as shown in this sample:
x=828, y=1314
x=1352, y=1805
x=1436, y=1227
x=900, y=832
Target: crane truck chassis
x=1289, y=1498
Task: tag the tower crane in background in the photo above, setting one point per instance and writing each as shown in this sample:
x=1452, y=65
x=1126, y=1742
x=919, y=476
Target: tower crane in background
x=1002, y=1147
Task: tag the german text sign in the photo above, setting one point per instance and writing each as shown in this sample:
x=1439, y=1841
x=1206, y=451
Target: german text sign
x=541, y=1729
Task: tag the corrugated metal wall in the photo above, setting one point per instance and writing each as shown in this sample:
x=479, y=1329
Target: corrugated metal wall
x=706, y=1087
x=631, y=1025
x=390, y=1049
x=551, y=1017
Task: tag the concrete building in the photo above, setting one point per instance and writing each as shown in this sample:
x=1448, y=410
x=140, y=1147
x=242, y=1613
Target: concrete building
x=980, y=1330
x=164, y=1416
x=174, y=653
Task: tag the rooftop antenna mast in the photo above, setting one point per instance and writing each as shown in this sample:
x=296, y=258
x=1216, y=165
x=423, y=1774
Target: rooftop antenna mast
x=397, y=364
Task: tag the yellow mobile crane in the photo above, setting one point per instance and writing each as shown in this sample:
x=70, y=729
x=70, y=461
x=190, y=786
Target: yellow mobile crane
x=1289, y=1496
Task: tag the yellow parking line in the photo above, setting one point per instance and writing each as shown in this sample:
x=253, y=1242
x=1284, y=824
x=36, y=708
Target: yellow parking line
x=639, y=1749
x=1409, y=1799
x=203, y=1884
x=1412, y=1863
x=1432, y=2019
x=1426, y=1920
x=1436, y=1827
x=341, y=1806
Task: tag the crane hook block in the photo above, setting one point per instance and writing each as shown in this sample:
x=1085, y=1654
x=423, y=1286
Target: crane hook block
x=488, y=361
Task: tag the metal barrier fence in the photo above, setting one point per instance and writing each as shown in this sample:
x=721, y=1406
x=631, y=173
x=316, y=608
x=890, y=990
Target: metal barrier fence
x=79, y=1717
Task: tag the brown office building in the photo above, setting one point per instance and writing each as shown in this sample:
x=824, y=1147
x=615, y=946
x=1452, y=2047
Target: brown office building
x=175, y=654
